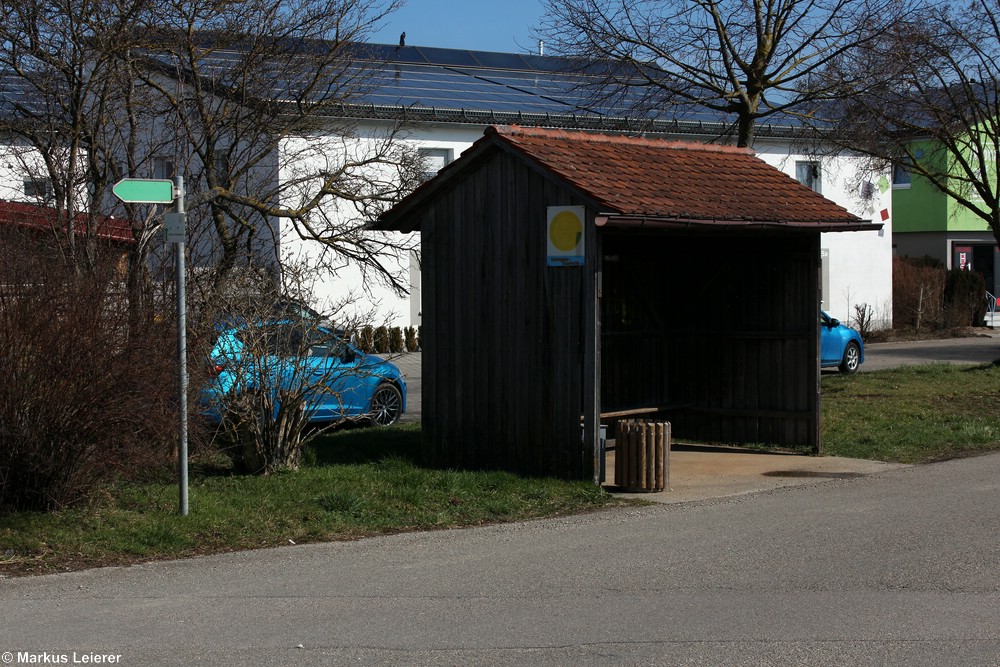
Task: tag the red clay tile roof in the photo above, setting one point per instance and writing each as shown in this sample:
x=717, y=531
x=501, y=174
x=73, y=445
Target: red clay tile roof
x=655, y=178
x=44, y=217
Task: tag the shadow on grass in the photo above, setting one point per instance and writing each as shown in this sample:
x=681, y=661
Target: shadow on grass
x=983, y=367
x=355, y=445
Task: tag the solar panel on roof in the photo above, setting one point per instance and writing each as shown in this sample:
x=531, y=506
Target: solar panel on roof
x=453, y=57
x=407, y=54
x=452, y=81
x=474, y=88
x=500, y=60
x=549, y=64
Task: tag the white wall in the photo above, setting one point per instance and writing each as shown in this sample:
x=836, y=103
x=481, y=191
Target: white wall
x=348, y=289
x=859, y=264
x=19, y=163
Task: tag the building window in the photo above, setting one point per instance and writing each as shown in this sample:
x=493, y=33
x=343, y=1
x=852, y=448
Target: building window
x=808, y=174
x=901, y=174
x=163, y=167
x=37, y=188
x=434, y=160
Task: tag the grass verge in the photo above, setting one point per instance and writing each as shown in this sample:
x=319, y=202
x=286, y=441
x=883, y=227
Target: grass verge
x=353, y=484
x=364, y=482
x=912, y=414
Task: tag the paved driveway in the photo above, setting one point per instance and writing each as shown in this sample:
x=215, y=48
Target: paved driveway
x=409, y=366
x=982, y=349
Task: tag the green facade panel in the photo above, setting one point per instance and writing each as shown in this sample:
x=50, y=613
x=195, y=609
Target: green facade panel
x=921, y=207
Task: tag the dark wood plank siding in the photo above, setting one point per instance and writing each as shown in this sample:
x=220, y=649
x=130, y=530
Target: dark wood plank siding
x=503, y=332
x=719, y=330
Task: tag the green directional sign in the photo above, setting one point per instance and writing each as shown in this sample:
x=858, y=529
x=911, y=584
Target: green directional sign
x=144, y=190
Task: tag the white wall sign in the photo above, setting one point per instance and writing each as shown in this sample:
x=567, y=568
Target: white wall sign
x=564, y=235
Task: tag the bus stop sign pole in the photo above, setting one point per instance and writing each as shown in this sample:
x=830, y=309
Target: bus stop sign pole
x=163, y=191
x=178, y=224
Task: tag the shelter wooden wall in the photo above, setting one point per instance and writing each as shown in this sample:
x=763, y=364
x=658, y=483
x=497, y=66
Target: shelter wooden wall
x=503, y=334
x=719, y=330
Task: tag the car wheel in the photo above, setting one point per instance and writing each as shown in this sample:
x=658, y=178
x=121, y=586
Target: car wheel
x=852, y=359
x=387, y=404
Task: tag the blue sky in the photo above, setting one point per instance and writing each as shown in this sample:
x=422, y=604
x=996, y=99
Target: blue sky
x=465, y=24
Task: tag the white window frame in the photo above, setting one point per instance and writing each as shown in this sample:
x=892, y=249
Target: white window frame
x=164, y=168
x=39, y=189
x=433, y=156
x=901, y=175
x=813, y=180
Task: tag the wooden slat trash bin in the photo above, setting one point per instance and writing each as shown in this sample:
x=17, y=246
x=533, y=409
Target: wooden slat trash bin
x=642, y=451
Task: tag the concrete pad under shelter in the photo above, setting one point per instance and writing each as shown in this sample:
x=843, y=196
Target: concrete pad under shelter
x=704, y=472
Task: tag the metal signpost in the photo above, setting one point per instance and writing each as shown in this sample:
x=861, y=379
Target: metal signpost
x=162, y=191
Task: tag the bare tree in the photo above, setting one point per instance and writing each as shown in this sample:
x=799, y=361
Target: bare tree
x=245, y=100
x=748, y=61
x=936, y=112
x=59, y=62
x=251, y=94
x=70, y=115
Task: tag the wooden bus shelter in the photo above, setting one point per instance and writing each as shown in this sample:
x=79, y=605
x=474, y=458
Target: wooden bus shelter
x=572, y=277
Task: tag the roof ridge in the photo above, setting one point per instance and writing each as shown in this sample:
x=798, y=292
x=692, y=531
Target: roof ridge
x=601, y=137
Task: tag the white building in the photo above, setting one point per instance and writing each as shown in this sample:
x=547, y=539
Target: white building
x=447, y=97
x=439, y=101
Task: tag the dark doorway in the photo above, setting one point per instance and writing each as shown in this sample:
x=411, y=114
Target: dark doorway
x=984, y=262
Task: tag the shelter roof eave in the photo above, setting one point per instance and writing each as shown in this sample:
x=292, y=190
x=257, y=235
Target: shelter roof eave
x=652, y=222
x=400, y=218
x=613, y=174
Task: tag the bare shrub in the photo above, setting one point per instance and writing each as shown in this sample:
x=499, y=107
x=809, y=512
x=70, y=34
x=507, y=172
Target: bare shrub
x=917, y=292
x=863, y=316
x=273, y=355
x=83, y=398
x=964, y=299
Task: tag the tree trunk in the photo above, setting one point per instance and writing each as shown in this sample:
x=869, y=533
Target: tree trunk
x=746, y=129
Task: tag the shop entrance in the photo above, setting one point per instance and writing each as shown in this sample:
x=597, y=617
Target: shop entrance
x=981, y=258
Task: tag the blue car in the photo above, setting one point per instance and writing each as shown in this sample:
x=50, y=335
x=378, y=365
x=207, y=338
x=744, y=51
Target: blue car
x=337, y=380
x=840, y=346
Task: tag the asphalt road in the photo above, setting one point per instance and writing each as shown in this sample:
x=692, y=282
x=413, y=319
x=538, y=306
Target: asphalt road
x=983, y=349
x=897, y=568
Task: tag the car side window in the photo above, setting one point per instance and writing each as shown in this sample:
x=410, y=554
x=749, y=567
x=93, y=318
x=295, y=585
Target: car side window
x=294, y=340
x=318, y=351
x=284, y=341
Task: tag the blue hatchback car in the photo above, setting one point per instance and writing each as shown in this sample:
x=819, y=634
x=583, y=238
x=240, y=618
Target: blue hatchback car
x=840, y=346
x=339, y=381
